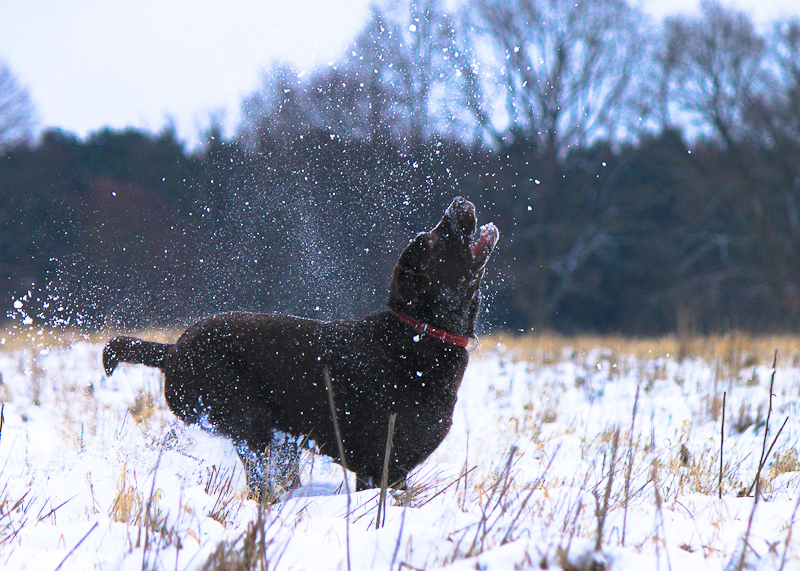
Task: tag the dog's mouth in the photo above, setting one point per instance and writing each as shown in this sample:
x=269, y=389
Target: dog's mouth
x=461, y=219
x=483, y=246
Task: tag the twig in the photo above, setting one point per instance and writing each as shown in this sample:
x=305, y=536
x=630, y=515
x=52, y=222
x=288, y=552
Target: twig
x=659, y=515
x=746, y=538
x=789, y=534
x=147, y=514
x=574, y=529
x=630, y=464
x=534, y=487
x=601, y=517
x=262, y=548
x=463, y=474
x=466, y=476
x=488, y=509
x=122, y=425
x=178, y=547
x=399, y=538
x=774, y=440
x=385, y=473
x=2, y=417
x=761, y=460
x=76, y=546
x=764, y=452
x=327, y=374
x=721, y=441
x=61, y=505
x=503, y=493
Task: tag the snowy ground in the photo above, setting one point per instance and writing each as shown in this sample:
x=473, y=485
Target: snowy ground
x=97, y=474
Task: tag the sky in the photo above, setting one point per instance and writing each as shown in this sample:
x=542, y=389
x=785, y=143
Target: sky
x=118, y=63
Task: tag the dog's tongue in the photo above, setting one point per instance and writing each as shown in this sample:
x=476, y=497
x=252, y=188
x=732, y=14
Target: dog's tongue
x=484, y=245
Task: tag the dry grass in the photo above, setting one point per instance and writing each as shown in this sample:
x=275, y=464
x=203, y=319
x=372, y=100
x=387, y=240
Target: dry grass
x=621, y=466
x=227, y=500
x=786, y=461
x=13, y=515
x=143, y=407
x=149, y=528
x=14, y=336
x=736, y=349
x=129, y=503
x=254, y=550
x=664, y=472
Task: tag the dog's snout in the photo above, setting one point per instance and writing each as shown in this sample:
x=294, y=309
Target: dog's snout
x=460, y=206
x=459, y=217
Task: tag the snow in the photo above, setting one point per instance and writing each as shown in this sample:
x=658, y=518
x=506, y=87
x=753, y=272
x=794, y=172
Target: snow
x=96, y=473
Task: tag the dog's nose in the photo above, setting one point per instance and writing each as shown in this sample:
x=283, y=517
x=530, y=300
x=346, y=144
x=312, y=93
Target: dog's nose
x=460, y=206
x=459, y=219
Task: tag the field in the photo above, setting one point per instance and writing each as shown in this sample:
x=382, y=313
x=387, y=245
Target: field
x=573, y=454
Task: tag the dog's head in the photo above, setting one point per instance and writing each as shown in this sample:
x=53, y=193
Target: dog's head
x=437, y=278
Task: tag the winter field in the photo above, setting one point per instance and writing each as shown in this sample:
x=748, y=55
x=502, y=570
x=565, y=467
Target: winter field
x=573, y=454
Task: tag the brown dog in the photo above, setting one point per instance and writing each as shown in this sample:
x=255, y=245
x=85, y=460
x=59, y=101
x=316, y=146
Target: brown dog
x=248, y=376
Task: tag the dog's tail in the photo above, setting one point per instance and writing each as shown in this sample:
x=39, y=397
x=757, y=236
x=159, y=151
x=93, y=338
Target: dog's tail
x=132, y=350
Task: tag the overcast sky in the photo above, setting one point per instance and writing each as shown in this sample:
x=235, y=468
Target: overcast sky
x=94, y=63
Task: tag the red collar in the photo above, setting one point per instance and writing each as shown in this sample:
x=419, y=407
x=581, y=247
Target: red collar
x=426, y=329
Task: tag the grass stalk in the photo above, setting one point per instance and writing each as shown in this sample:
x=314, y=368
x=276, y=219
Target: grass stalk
x=399, y=539
x=52, y=511
x=603, y=512
x=746, y=538
x=464, y=473
x=466, y=476
x=340, y=445
x=789, y=534
x=722, y=441
x=762, y=459
x=77, y=545
x=765, y=452
x=563, y=552
x=660, y=515
x=509, y=532
x=385, y=472
x=492, y=504
x=630, y=463
x=148, y=514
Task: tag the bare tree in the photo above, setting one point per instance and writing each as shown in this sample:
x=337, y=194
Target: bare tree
x=276, y=111
x=554, y=77
x=741, y=89
x=771, y=122
x=394, y=82
x=713, y=64
x=774, y=112
x=16, y=110
x=569, y=71
x=409, y=59
x=344, y=100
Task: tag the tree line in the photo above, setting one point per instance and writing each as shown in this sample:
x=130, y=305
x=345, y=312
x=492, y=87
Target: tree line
x=644, y=177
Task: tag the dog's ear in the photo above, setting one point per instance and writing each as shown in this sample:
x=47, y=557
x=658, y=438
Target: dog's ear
x=409, y=276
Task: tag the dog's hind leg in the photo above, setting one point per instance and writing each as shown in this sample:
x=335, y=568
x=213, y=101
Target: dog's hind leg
x=284, y=463
x=256, y=468
x=272, y=469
